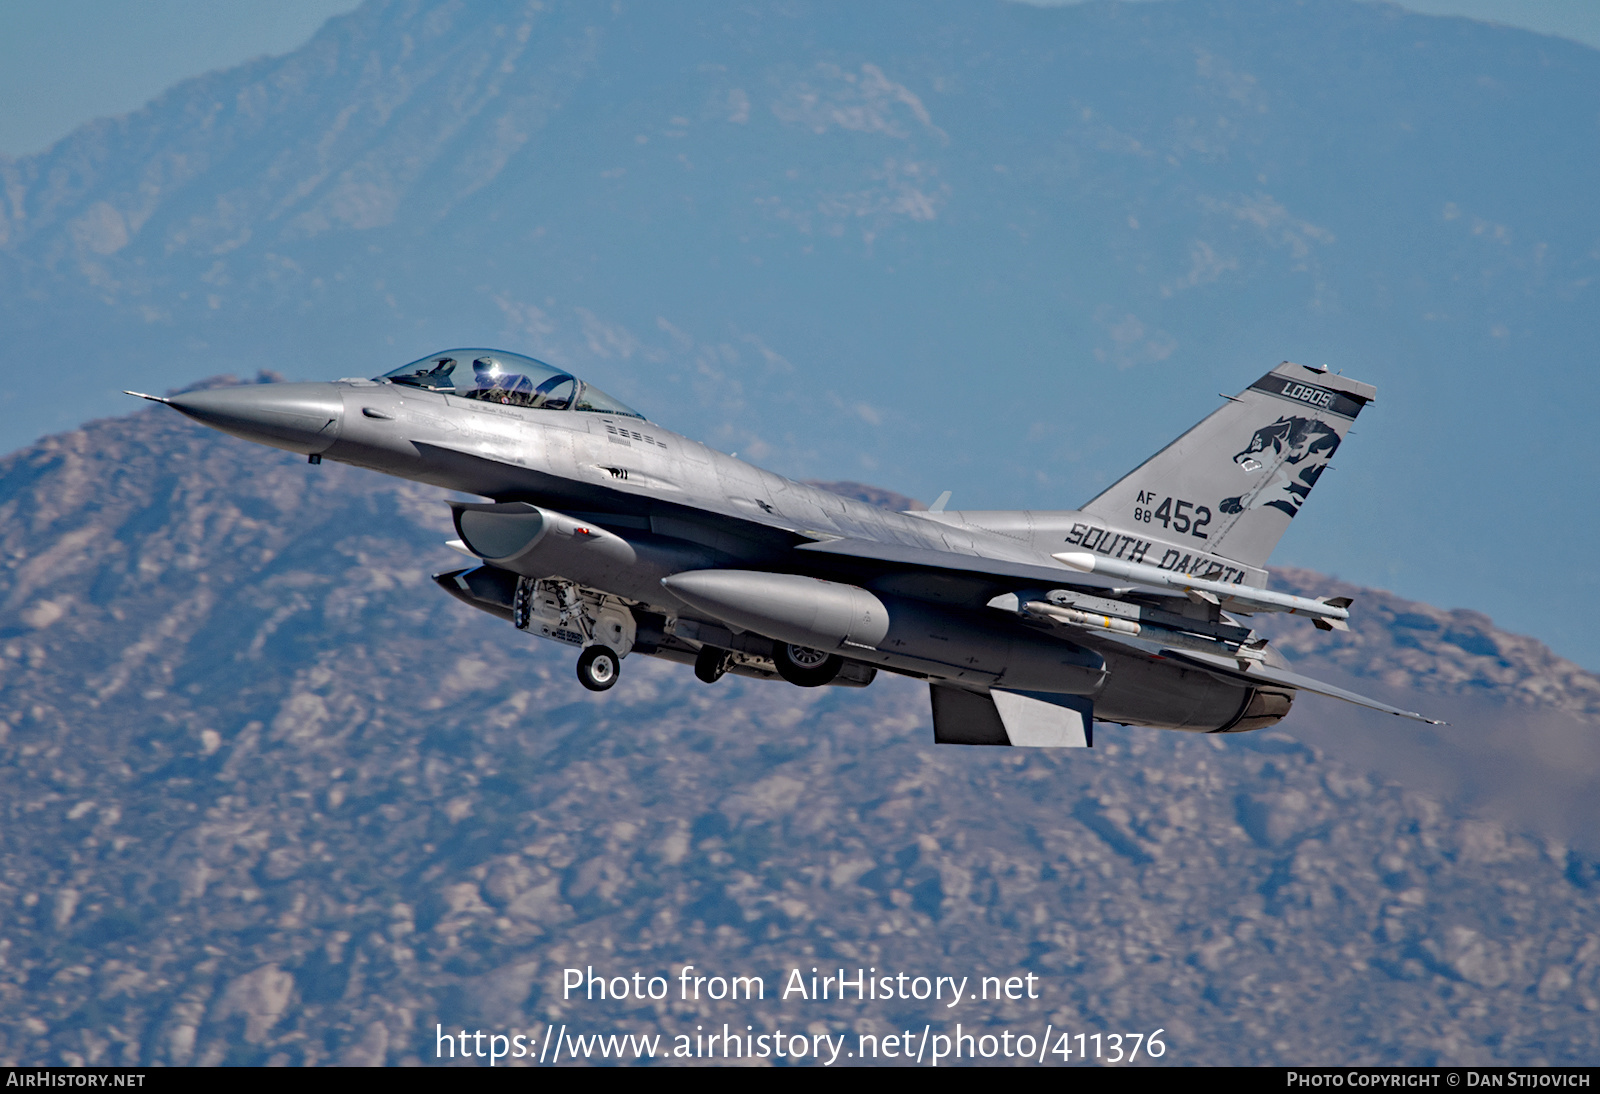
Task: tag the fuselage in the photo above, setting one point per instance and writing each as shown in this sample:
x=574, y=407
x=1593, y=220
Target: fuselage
x=682, y=506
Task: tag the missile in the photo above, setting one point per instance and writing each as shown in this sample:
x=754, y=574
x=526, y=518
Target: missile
x=1329, y=613
x=1080, y=618
x=806, y=611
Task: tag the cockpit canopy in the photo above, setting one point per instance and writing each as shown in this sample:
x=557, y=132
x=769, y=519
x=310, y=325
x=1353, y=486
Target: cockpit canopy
x=495, y=376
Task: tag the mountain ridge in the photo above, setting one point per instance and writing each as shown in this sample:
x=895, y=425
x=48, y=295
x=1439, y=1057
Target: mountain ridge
x=872, y=243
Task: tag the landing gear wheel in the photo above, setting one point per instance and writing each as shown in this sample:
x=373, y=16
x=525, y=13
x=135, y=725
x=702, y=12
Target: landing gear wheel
x=598, y=668
x=805, y=666
x=711, y=664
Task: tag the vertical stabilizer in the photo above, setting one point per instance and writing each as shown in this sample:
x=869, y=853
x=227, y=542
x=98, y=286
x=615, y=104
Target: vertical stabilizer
x=1238, y=478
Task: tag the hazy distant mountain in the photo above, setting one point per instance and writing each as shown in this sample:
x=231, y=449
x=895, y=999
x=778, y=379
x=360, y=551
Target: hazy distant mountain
x=272, y=797
x=987, y=247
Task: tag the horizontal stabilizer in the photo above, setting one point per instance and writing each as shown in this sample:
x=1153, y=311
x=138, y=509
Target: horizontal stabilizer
x=1020, y=719
x=1265, y=674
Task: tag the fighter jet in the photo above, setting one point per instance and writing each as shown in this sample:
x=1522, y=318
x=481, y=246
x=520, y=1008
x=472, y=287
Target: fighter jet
x=612, y=534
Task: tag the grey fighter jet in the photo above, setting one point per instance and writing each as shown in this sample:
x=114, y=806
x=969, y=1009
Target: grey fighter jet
x=616, y=536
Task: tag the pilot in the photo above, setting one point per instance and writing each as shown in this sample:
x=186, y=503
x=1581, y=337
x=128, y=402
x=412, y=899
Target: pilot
x=500, y=387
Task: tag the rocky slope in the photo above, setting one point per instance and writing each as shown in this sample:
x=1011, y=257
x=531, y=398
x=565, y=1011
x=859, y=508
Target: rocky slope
x=270, y=797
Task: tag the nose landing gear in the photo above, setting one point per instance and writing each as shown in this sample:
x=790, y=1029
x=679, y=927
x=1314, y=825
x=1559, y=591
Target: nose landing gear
x=598, y=667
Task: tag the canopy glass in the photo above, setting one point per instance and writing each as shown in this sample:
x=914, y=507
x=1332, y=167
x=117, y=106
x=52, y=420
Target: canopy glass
x=495, y=376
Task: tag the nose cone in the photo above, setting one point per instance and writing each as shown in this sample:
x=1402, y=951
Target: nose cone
x=302, y=418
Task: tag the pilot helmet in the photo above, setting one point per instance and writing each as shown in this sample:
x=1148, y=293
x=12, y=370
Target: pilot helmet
x=486, y=364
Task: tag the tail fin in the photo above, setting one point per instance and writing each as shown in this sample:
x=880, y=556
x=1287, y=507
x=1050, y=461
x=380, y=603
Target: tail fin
x=1238, y=477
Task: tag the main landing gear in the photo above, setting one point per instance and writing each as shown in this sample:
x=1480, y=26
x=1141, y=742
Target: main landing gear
x=800, y=665
x=804, y=666
x=598, y=667
x=711, y=664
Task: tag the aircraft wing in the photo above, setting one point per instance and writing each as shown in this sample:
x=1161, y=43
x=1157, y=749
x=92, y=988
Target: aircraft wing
x=510, y=482
x=1227, y=668
x=927, y=558
x=598, y=501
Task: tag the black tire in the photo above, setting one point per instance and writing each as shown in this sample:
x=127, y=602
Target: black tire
x=598, y=668
x=711, y=664
x=804, y=666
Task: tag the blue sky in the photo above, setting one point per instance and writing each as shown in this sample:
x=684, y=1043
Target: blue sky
x=65, y=62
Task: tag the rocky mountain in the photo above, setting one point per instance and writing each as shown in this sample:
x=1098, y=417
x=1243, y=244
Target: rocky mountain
x=945, y=244
x=269, y=796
